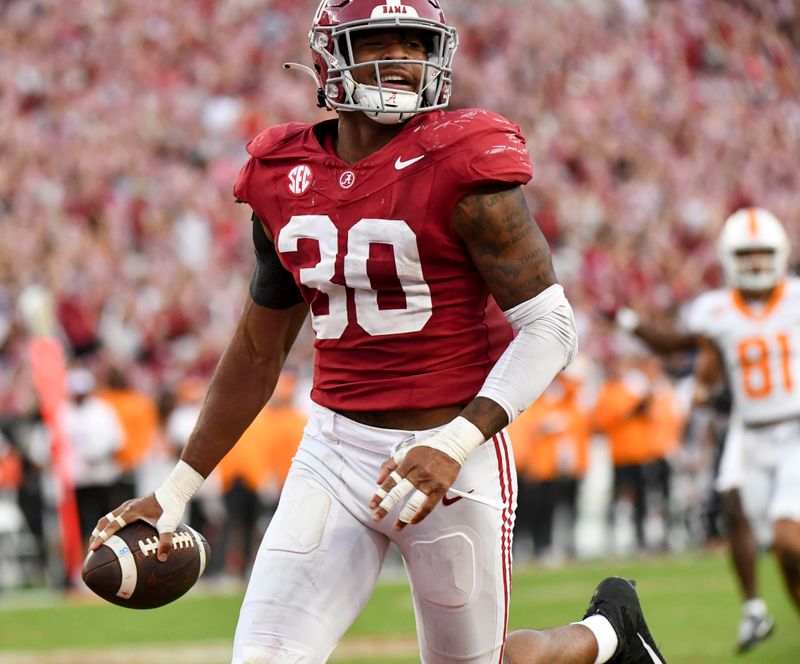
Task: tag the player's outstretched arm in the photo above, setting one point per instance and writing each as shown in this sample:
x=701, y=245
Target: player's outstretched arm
x=513, y=257
x=659, y=339
x=709, y=372
x=242, y=383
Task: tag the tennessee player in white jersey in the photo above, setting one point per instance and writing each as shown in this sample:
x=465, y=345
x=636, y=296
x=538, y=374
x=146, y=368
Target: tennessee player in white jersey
x=760, y=344
x=750, y=331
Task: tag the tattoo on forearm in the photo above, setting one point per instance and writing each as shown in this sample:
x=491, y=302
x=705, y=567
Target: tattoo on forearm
x=506, y=244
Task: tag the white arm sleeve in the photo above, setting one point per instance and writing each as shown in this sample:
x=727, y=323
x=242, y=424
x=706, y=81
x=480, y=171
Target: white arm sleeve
x=545, y=344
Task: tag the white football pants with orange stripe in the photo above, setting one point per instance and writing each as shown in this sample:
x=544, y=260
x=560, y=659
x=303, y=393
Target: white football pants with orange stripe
x=322, y=553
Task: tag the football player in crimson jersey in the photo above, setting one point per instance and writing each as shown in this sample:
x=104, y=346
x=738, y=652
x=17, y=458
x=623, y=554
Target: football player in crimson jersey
x=396, y=226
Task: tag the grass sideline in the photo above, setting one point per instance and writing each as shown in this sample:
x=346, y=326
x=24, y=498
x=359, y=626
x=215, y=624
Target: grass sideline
x=690, y=602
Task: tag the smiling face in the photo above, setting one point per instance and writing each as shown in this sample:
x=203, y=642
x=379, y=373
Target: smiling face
x=363, y=50
x=393, y=45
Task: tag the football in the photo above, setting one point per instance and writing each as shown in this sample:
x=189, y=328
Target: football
x=126, y=571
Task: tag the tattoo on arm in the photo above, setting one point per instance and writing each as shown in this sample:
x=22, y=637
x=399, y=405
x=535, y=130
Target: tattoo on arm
x=505, y=244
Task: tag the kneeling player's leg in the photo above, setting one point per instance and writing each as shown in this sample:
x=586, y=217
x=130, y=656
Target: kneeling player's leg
x=314, y=572
x=572, y=644
x=613, y=627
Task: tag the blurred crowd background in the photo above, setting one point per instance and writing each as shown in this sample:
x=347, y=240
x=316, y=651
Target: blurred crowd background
x=123, y=126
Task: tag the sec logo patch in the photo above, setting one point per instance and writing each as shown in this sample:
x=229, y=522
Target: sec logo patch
x=300, y=179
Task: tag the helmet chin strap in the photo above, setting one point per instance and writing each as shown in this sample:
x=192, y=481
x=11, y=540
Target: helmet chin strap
x=404, y=103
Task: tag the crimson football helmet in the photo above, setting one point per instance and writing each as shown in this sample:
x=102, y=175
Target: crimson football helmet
x=335, y=23
x=753, y=230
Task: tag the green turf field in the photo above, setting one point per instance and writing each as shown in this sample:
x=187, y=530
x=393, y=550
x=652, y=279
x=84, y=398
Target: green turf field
x=690, y=602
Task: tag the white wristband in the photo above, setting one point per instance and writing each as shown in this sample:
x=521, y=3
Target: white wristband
x=457, y=439
x=177, y=490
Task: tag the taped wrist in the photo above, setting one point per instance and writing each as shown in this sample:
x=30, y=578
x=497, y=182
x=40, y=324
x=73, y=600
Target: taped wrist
x=545, y=344
x=457, y=439
x=177, y=490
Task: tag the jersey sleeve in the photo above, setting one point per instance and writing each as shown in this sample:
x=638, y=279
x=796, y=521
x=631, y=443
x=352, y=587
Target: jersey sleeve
x=699, y=315
x=494, y=151
x=261, y=148
x=241, y=188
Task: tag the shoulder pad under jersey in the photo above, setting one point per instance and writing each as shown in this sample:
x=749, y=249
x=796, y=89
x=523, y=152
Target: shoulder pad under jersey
x=706, y=310
x=276, y=138
x=485, y=147
x=459, y=129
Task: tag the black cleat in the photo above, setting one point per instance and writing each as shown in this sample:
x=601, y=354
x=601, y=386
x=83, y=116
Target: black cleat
x=615, y=599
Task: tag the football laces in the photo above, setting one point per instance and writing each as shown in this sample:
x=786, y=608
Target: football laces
x=148, y=546
x=180, y=540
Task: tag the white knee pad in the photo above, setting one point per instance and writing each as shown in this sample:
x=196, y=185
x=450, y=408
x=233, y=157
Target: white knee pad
x=454, y=552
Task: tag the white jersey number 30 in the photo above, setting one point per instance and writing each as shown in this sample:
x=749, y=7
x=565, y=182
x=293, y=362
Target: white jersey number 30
x=370, y=317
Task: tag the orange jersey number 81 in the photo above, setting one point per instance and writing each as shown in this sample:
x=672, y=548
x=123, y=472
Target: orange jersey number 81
x=754, y=356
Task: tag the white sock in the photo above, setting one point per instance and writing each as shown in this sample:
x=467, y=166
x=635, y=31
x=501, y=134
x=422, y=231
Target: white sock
x=755, y=607
x=604, y=634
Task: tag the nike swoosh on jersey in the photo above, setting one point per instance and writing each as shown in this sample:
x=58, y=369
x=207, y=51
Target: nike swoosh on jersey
x=449, y=501
x=400, y=164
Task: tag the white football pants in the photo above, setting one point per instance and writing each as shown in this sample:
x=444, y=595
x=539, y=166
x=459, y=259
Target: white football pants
x=322, y=553
x=764, y=464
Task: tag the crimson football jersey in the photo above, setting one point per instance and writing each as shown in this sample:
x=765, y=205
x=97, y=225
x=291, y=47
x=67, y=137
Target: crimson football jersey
x=402, y=317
